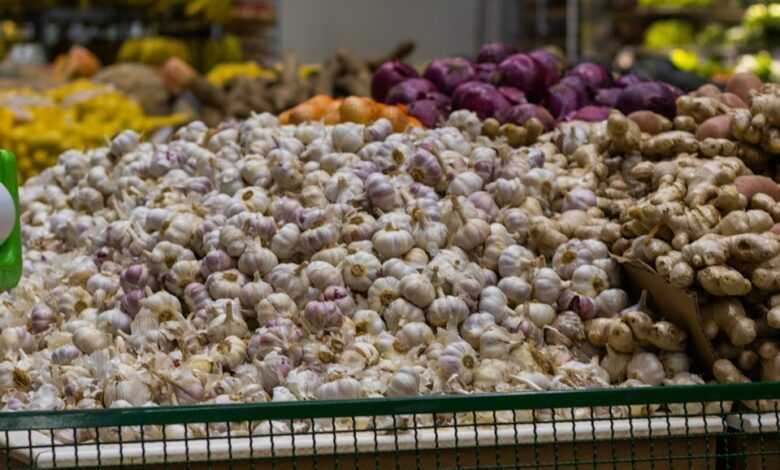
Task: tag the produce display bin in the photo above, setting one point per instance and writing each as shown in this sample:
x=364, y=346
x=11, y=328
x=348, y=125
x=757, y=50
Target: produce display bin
x=689, y=428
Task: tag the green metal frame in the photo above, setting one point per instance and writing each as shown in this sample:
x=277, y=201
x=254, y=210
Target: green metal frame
x=11, y=249
x=24, y=420
x=695, y=447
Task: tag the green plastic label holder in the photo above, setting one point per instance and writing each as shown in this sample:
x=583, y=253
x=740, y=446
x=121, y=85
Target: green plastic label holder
x=11, y=249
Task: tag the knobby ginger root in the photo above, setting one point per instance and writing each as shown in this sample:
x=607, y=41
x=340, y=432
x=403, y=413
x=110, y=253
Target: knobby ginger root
x=769, y=352
x=766, y=203
x=729, y=315
x=730, y=199
x=726, y=372
x=623, y=135
x=751, y=221
x=723, y=281
x=700, y=108
x=611, y=332
x=670, y=143
x=662, y=334
x=712, y=147
x=767, y=274
x=773, y=314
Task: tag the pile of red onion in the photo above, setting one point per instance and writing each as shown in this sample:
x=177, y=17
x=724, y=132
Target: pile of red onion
x=512, y=86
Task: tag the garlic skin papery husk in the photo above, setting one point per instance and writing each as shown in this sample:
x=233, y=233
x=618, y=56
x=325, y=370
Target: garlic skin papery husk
x=258, y=262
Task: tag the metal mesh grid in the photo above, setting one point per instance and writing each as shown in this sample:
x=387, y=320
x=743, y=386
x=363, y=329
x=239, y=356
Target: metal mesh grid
x=693, y=427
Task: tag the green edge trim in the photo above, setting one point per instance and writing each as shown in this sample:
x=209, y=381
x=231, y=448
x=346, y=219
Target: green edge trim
x=11, y=250
x=23, y=420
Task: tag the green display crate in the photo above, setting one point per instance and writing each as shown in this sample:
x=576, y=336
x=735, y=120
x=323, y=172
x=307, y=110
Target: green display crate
x=693, y=427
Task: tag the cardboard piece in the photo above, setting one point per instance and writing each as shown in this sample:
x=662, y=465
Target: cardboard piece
x=679, y=306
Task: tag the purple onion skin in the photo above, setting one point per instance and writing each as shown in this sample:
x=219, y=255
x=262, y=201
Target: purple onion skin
x=427, y=111
x=577, y=83
x=482, y=98
x=443, y=102
x=589, y=114
x=607, y=97
x=523, y=112
x=389, y=75
x=513, y=95
x=651, y=96
x=521, y=72
x=488, y=72
x=629, y=79
x=596, y=76
x=410, y=91
x=447, y=74
x=562, y=99
x=549, y=64
x=495, y=52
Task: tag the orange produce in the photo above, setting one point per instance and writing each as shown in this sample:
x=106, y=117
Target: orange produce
x=356, y=109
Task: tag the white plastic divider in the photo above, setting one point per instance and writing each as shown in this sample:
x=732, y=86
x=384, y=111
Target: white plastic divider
x=217, y=448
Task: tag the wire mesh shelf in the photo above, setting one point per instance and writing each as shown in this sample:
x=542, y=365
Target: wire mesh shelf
x=712, y=426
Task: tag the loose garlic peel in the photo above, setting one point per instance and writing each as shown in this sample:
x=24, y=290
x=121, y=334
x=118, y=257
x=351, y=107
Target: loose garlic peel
x=305, y=263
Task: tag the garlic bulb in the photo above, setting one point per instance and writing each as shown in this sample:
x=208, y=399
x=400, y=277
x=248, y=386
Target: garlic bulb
x=405, y=382
x=417, y=289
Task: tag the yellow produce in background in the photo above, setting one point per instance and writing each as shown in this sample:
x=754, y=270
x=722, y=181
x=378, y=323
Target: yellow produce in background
x=38, y=126
x=224, y=72
x=153, y=50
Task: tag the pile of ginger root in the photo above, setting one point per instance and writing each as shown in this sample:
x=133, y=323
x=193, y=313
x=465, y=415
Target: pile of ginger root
x=698, y=202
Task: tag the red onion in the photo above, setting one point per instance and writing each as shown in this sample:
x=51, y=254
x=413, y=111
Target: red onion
x=651, y=96
x=389, y=75
x=562, y=99
x=607, y=97
x=427, y=111
x=482, y=98
x=447, y=74
x=495, y=52
x=589, y=114
x=521, y=113
x=488, y=73
x=629, y=79
x=409, y=91
x=595, y=75
x=520, y=71
x=513, y=95
x=549, y=64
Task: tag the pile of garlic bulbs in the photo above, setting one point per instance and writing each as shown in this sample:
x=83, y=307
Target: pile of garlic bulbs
x=259, y=262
